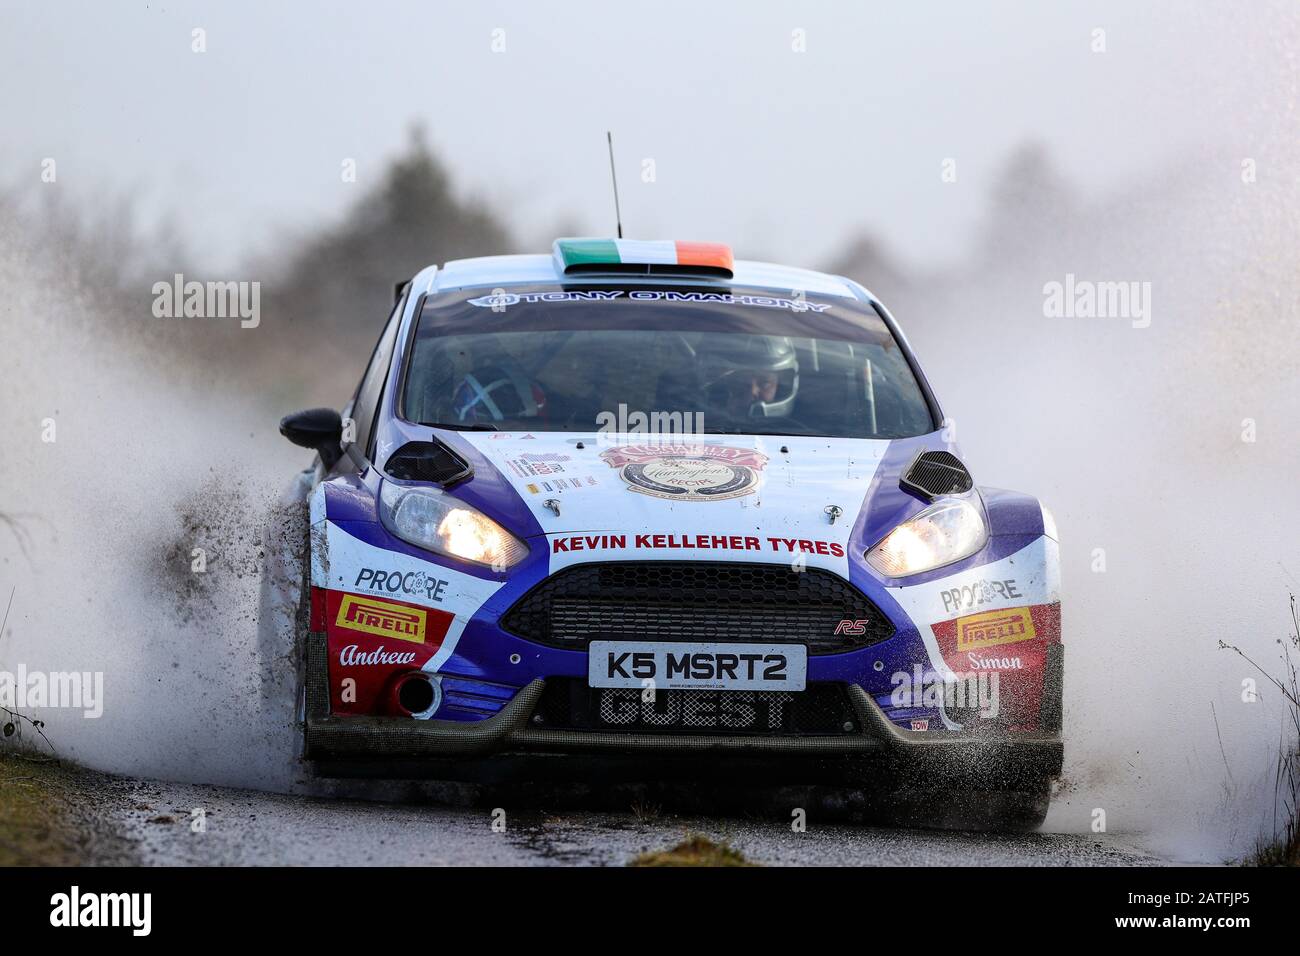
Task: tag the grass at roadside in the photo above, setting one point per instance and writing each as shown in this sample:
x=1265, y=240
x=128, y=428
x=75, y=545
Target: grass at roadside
x=1281, y=847
x=1278, y=853
x=41, y=821
x=32, y=825
x=695, y=850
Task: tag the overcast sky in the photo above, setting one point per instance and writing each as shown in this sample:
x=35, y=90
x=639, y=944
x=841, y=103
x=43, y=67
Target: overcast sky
x=784, y=154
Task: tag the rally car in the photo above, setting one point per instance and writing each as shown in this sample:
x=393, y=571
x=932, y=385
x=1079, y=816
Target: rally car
x=640, y=500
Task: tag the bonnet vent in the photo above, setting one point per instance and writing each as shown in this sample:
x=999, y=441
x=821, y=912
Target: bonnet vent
x=427, y=461
x=936, y=473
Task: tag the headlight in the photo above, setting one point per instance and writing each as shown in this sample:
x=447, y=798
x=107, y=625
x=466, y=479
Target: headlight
x=428, y=518
x=945, y=532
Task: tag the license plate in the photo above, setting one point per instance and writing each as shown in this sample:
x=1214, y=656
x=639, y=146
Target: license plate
x=673, y=666
x=694, y=711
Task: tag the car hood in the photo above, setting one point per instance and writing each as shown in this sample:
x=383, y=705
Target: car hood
x=708, y=497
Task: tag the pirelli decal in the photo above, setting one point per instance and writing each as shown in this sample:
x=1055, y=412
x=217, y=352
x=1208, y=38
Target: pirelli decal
x=383, y=618
x=994, y=627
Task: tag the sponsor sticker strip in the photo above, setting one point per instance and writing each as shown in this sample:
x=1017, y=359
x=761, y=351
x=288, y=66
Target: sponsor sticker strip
x=619, y=492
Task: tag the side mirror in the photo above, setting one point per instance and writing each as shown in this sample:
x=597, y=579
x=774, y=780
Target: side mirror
x=319, y=429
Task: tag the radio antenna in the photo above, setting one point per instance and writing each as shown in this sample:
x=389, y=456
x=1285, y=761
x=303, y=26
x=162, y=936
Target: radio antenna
x=618, y=213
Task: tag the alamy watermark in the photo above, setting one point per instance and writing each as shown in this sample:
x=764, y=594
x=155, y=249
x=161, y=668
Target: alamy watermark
x=1083, y=299
x=22, y=690
x=978, y=690
x=133, y=911
x=647, y=424
x=208, y=300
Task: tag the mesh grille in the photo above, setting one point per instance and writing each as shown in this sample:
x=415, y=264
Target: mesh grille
x=936, y=473
x=427, y=461
x=568, y=704
x=705, y=601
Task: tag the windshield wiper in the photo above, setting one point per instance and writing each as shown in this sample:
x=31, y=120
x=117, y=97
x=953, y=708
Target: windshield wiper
x=462, y=426
x=779, y=427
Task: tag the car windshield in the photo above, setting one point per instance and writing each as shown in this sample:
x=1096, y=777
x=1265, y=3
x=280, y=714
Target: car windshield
x=632, y=359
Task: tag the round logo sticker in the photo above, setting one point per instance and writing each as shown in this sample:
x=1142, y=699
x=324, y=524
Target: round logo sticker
x=687, y=472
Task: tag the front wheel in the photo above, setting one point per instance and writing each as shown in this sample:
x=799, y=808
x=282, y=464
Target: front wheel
x=1019, y=809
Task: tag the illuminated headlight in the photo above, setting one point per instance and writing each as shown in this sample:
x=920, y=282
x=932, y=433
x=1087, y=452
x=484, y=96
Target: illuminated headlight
x=947, y=531
x=428, y=518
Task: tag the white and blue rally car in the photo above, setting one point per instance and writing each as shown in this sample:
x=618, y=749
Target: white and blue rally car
x=639, y=501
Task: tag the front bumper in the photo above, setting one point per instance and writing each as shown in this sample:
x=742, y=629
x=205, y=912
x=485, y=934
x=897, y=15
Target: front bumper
x=358, y=745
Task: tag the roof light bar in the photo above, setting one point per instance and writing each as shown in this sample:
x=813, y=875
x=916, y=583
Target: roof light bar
x=643, y=257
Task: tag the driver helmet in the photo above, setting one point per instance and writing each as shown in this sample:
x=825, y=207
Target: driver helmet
x=754, y=375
